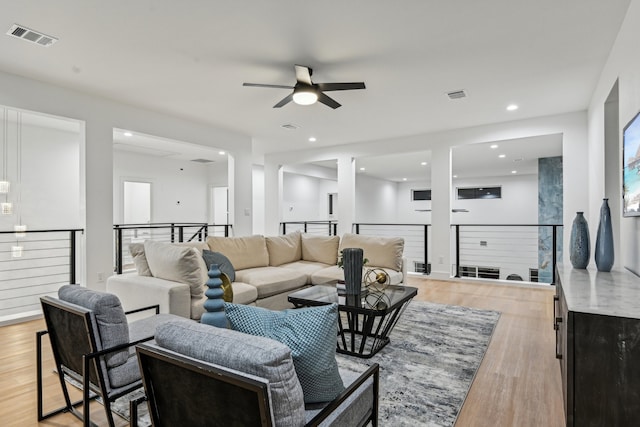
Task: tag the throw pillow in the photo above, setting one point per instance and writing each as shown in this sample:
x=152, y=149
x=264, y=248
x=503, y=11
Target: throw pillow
x=284, y=249
x=322, y=249
x=177, y=263
x=310, y=333
x=139, y=259
x=223, y=262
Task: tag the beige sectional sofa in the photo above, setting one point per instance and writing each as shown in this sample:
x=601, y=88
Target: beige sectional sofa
x=267, y=269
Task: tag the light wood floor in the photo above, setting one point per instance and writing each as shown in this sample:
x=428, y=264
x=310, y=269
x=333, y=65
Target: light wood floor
x=518, y=383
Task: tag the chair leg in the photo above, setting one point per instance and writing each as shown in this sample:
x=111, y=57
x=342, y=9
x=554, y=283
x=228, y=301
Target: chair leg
x=69, y=407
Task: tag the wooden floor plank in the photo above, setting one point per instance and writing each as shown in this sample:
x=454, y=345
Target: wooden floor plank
x=518, y=383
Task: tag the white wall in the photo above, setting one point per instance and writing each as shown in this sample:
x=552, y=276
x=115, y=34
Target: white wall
x=410, y=211
x=376, y=200
x=258, y=199
x=623, y=65
x=572, y=126
x=305, y=197
x=50, y=187
x=100, y=116
x=172, y=181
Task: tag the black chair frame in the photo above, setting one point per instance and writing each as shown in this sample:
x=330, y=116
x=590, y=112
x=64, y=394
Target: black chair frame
x=147, y=355
x=87, y=367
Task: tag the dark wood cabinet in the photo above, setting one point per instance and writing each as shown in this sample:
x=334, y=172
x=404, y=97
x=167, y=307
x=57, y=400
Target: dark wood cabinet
x=598, y=346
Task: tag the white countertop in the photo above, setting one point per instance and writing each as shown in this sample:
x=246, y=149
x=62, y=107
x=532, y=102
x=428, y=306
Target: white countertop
x=616, y=293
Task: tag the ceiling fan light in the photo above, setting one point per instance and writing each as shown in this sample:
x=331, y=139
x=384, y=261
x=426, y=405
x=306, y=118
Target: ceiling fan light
x=305, y=96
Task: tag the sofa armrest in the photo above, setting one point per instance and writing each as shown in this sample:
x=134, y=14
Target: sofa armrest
x=137, y=291
x=404, y=270
x=372, y=372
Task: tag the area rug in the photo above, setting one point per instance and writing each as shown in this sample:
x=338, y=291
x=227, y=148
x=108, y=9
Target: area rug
x=425, y=371
x=428, y=367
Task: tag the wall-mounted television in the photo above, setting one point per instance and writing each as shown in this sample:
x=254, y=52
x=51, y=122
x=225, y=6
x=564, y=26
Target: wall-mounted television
x=631, y=167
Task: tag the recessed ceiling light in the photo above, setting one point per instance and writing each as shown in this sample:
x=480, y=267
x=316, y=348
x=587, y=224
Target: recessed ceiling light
x=502, y=156
x=312, y=139
x=424, y=163
x=361, y=169
x=512, y=107
x=455, y=176
x=494, y=146
x=404, y=179
x=514, y=171
x=222, y=153
x=128, y=134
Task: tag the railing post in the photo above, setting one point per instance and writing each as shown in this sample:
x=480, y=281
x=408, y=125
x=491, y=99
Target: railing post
x=335, y=228
x=226, y=230
x=357, y=228
x=426, y=249
x=457, y=250
x=305, y=226
x=206, y=231
x=118, y=250
x=72, y=257
x=284, y=228
x=554, y=255
x=172, y=233
x=181, y=233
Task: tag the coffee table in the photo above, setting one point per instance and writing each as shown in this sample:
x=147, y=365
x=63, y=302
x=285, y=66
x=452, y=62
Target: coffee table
x=364, y=323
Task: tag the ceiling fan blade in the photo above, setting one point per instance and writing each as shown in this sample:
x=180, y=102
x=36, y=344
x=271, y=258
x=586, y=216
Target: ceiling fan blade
x=330, y=102
x=287, y=99
x=272, y=86
x=303, y=74
x=340, y=86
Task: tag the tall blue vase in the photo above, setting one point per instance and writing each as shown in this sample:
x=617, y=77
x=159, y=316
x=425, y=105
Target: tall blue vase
x=579, y=246
x=353, y=260
x=215, y=314
x=604, y=241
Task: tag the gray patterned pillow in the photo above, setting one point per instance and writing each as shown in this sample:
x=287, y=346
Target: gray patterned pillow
x=310, y=333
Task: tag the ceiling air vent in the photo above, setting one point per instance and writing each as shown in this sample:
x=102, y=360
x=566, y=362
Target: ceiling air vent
x=202, y=161
x=32, y=36
x=290, y=126
x=457, y=94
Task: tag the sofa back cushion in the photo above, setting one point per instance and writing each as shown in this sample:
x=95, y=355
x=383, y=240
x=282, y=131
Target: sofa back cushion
x=381, y=251
x=113, y=328
x=243, y=252
x=182, y=264
x=284, y=249
x=322, y=249
x=259, y=356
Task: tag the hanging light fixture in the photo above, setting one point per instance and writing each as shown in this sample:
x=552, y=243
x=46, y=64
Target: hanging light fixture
x=4, y=184
x=6, y=208
x=16, y=251
x=20, y=230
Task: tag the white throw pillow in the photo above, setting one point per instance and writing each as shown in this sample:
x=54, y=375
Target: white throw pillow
x=322, y=249
x=177, y=263
x=380, y=251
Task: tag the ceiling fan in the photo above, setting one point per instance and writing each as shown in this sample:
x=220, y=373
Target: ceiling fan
x=305, y=92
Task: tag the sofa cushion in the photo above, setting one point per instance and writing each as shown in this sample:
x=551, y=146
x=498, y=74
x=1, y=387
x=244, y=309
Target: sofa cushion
x=113, y=328
x=223, y=262
x=139, y=259
x=243, y=252
x=305, y=267
x=178, y=263
x=381, y=251
x=322, y=249
x=284, y=249
x=310, y=333
x=330, y=275
x=272, y=280
x=253, y=355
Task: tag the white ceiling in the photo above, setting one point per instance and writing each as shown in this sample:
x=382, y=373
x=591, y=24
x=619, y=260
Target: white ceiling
x=190, y=58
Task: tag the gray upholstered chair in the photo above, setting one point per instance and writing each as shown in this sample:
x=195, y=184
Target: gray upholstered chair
x=200, y=375
x=93, y=344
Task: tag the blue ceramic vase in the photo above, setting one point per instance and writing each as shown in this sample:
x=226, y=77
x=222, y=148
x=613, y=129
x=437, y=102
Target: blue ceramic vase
x=353, y=260
x=580, y=246
x=604, y=241
x=215, y=315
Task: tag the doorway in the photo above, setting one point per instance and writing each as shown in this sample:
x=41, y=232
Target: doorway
x=136, y=205
x=219, y=209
